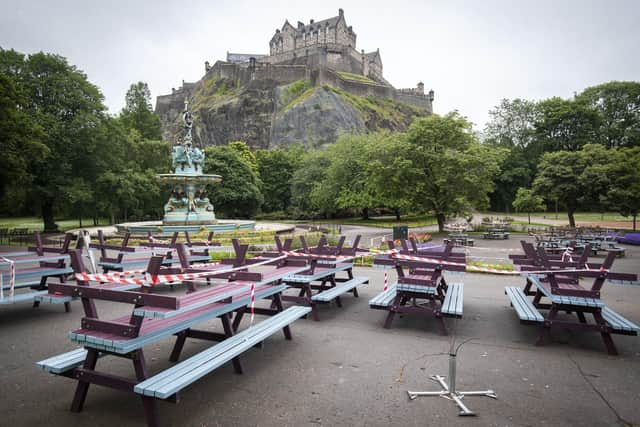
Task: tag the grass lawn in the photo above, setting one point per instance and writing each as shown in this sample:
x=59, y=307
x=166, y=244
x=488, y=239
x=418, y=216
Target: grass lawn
x=579, y=216
x=36, y=224
x=383, y=221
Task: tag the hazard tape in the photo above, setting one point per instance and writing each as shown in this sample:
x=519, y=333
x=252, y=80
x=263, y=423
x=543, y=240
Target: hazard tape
x=386, y=281
x=152, y=280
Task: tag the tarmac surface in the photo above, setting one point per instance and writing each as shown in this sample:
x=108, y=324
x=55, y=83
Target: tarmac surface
x=348, y=370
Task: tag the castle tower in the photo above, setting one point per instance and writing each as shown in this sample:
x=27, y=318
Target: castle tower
x=421, y=88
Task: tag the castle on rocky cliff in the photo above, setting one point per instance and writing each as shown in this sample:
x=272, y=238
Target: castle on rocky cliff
x=322, y=52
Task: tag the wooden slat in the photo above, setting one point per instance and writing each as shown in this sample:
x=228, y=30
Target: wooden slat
x=167, y=383
x=155, y=329
x=384, y=299
x=332, y=293
x=524, y=308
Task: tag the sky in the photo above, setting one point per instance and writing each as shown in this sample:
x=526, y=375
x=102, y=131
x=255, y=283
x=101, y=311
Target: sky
x=471, y=53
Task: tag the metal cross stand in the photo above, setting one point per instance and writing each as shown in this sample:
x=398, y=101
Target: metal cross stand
x=449, y=390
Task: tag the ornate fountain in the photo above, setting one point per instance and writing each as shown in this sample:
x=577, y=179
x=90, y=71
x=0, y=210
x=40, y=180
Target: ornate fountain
x=188, y=208
x=188, y=204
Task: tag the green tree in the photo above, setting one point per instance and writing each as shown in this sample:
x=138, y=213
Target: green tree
x=618, y=104
x=391, y=174
x=308, y=196
x=247, y=155
x=624, y=192
x=20, y=135
x=348, y=174
x=456, y=171
x=238, y=195
x=566, y=124
x=512, y=125
x=68, y=108
x=568, y=177
x=276, y=167
x=527, y=201
x=138, y=113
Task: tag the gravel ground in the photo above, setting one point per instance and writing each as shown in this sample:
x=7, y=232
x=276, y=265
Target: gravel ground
x=348, y=370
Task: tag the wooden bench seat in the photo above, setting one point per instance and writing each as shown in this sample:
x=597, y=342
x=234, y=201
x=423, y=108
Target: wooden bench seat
x=384, y=299
x=21, y=297
x=174, y=379
x=63, y=362
x=341, y=288
x=619, y=323
x=155, y=329
x=453, y=300
x=524, y=307
x=31, y=272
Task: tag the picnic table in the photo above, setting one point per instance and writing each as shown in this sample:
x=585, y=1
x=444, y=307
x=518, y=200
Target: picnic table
x=423, y=290
x=155, y=317
x=459, y=239
x=131, y=257
x=496, y=234
x=565, y=293
x=320, y=283
x=32, y=270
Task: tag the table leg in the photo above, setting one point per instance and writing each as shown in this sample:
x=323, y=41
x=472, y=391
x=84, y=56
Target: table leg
x=177, y=347
x=277, y=300
x=606, y=336
x=83, y=386
x=228, y=330
x=149, y=403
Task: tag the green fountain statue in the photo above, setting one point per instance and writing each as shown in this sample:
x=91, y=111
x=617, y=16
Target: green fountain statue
x=188, y=204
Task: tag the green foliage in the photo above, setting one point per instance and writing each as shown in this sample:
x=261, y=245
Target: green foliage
x=566, y=124
x=247, y=155
x=376, y=112
x=623, y=171
x=527, y=201
x=276, y=167
x=308, y=197
x=295, y=93
x=455, y=171
x=67, y=108
x=355, y=77
x=238, y=195
x=21, y=138
x=618, y=104
x=138, y=113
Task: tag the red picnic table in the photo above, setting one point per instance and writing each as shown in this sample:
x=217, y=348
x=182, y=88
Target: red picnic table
x=155, y=317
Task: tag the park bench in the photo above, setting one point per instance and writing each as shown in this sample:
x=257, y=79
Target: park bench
x=423, y=290
x=158, y=316
x=571, y=297
x=324, y=264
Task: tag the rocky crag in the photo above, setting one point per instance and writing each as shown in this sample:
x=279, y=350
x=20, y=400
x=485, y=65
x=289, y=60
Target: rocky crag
x=265, y=113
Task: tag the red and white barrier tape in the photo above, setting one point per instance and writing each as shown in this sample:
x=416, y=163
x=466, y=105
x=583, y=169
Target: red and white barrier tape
x=386, y=281
x=12, y=277
x=153, y=280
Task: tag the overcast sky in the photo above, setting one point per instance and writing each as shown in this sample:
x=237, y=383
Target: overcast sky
x=471, y=53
